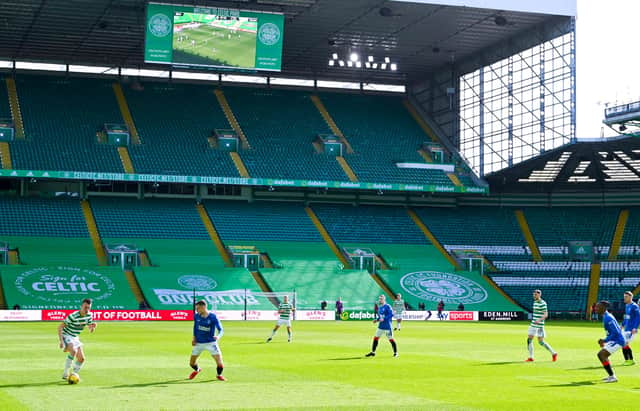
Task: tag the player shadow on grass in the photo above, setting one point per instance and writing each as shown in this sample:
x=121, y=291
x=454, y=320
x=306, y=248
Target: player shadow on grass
x=598, y=367
x=500, y=363
x=33, y=384
x=159, y=383
x=346, y=358
x=569, y=384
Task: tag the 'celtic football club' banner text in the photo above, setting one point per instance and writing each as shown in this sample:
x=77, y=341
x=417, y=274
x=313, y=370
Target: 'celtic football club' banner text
x=229, y=290
x=60, y=287
x=213, y=37
x=159, y=178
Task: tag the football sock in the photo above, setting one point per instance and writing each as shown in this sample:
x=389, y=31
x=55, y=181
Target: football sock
x=195, y=367
x=219, y=369
x=289, y=333
x=530, y=347
x=398, y=326
x=273, y=332
x=77, y=365
x=375, y=344
x=393, y=344
x=625, y=352
x=67, y=364
x=547, y=346
x=607, y=367
x=630, y=354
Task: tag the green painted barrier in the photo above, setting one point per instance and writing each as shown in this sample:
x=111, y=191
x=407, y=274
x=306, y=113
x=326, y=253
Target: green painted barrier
x=64, y=287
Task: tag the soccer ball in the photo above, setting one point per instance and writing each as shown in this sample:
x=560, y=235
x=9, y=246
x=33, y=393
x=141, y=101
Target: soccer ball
x=73, y=378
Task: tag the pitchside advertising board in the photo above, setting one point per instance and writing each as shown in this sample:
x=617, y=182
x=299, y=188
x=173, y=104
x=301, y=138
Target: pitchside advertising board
x=161, y=315
x=213, y=37
x=363, y=315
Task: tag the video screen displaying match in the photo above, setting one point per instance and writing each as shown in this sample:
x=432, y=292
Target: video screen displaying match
x=213, y=37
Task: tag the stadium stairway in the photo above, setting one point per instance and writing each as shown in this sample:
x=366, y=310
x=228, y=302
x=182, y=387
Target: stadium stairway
x=262, y=283
x=423, y=125
x=14, y=257
x=93, y=232
x=231, y=118
x=327, y=238
x=347, y=169
x=213, y=234
x=526, y=233
x=14, y=102
x=135, y=286
x=126, y=113
x=331, y=123
x=143, y=256
x=125, y=158
x=240, y=166
x=5, y=156
x=338, y=133
x=455, y=180
x=621, y=224
x=594, y=287
x=427, y=233
x=425, y=155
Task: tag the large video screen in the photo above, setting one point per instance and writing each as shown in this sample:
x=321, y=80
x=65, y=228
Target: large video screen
x=213, y=37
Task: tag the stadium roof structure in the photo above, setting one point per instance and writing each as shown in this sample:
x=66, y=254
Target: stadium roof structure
x=611, y=164
x=420, y=36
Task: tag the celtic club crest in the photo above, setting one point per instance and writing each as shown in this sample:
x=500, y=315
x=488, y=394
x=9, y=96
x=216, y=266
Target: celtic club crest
x=436, y=286
x=160, y=25
x=269, y=34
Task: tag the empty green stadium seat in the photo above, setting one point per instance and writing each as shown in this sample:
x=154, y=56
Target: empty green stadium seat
x=280, y=126
x=174, y=122
x=61, y=118
x=266, y=220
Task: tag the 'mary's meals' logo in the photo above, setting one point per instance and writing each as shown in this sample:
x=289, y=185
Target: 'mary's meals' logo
x=198, y=282
x=436, y=286
x=159, y=25
x=269, y=34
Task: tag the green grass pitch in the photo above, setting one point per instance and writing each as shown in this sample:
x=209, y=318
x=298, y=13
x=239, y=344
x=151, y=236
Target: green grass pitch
x=214, y=46
x=442, y=366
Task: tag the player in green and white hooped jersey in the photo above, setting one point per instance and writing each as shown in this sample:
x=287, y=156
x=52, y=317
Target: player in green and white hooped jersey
x=284, y=310
x=68, y=332
x=536, y=328
x=398, y=309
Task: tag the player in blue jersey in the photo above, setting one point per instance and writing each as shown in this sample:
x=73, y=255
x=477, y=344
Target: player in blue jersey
x=385, y=316
x=613, y=341
x=205, y=324
x=630, y=326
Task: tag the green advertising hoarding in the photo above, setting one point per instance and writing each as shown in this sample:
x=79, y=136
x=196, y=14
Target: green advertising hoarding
x=213, y=37
x=241, y=181
x=62, y=287
x=228, y=290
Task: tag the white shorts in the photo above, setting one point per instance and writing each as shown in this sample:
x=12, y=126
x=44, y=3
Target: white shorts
x=282, y=321
x=536, y=332
x=611, y=347
x=398, y=316
x=74, y=341
x=212, y=347
x=629, y=337
x=380, y=332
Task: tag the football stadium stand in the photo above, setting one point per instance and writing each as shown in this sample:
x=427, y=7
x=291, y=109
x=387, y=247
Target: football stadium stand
x=174, y=123
x=63, y=136
x=281, y=126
